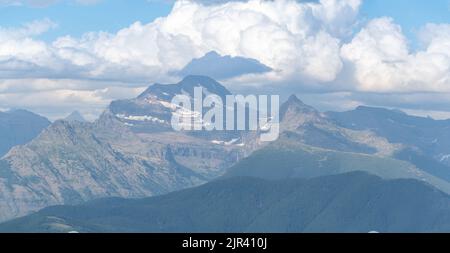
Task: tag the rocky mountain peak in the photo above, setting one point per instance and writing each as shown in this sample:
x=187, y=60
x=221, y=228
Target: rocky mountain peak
x=294, y=113
x=294, y=99
x=295, y=106
x=75, y=116
x=186, y=86
x=152, y=110
x=192, y=81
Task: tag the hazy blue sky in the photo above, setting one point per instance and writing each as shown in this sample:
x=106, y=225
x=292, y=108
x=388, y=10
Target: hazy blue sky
x=410, y=14
x=75, y=19
x=111, y=15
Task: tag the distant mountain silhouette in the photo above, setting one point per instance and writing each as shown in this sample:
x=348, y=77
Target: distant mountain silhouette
x=18, y=127
x=222, y=67
x=431, y=137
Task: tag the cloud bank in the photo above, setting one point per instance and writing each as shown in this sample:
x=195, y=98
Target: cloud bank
x=306, y=43
x=290, y=37
x=383, y=62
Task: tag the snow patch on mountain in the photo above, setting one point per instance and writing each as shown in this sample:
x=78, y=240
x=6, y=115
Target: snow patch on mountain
x=445, y=158
x=226, y=143
x=140, y=118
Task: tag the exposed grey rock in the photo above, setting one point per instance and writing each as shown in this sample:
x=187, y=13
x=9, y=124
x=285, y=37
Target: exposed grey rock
x=75, y=116
x=120, y=155
x=131, y=151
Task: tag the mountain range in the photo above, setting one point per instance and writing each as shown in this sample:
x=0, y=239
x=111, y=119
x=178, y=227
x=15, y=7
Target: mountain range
x=353, y=202
x=425, y=136
x=131, y=151
x=312, y=144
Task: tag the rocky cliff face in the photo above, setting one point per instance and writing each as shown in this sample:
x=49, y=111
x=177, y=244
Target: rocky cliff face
x=428, y=137
x=125, y=153
x=132, y=151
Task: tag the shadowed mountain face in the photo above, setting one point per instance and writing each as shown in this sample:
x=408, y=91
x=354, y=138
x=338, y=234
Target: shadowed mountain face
x=312, y=144
x=305, y=124
x=287, y=158
x=19, y=127
x=354, y=202
x=427, y=136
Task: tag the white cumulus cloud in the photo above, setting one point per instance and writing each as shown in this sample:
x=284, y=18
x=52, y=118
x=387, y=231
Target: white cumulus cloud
x=383, y=61
x=304, y=42
x=301, y=39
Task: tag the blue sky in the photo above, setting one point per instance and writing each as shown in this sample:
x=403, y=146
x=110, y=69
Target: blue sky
x=410, y=14
x=112, y=15
x=76, y=19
